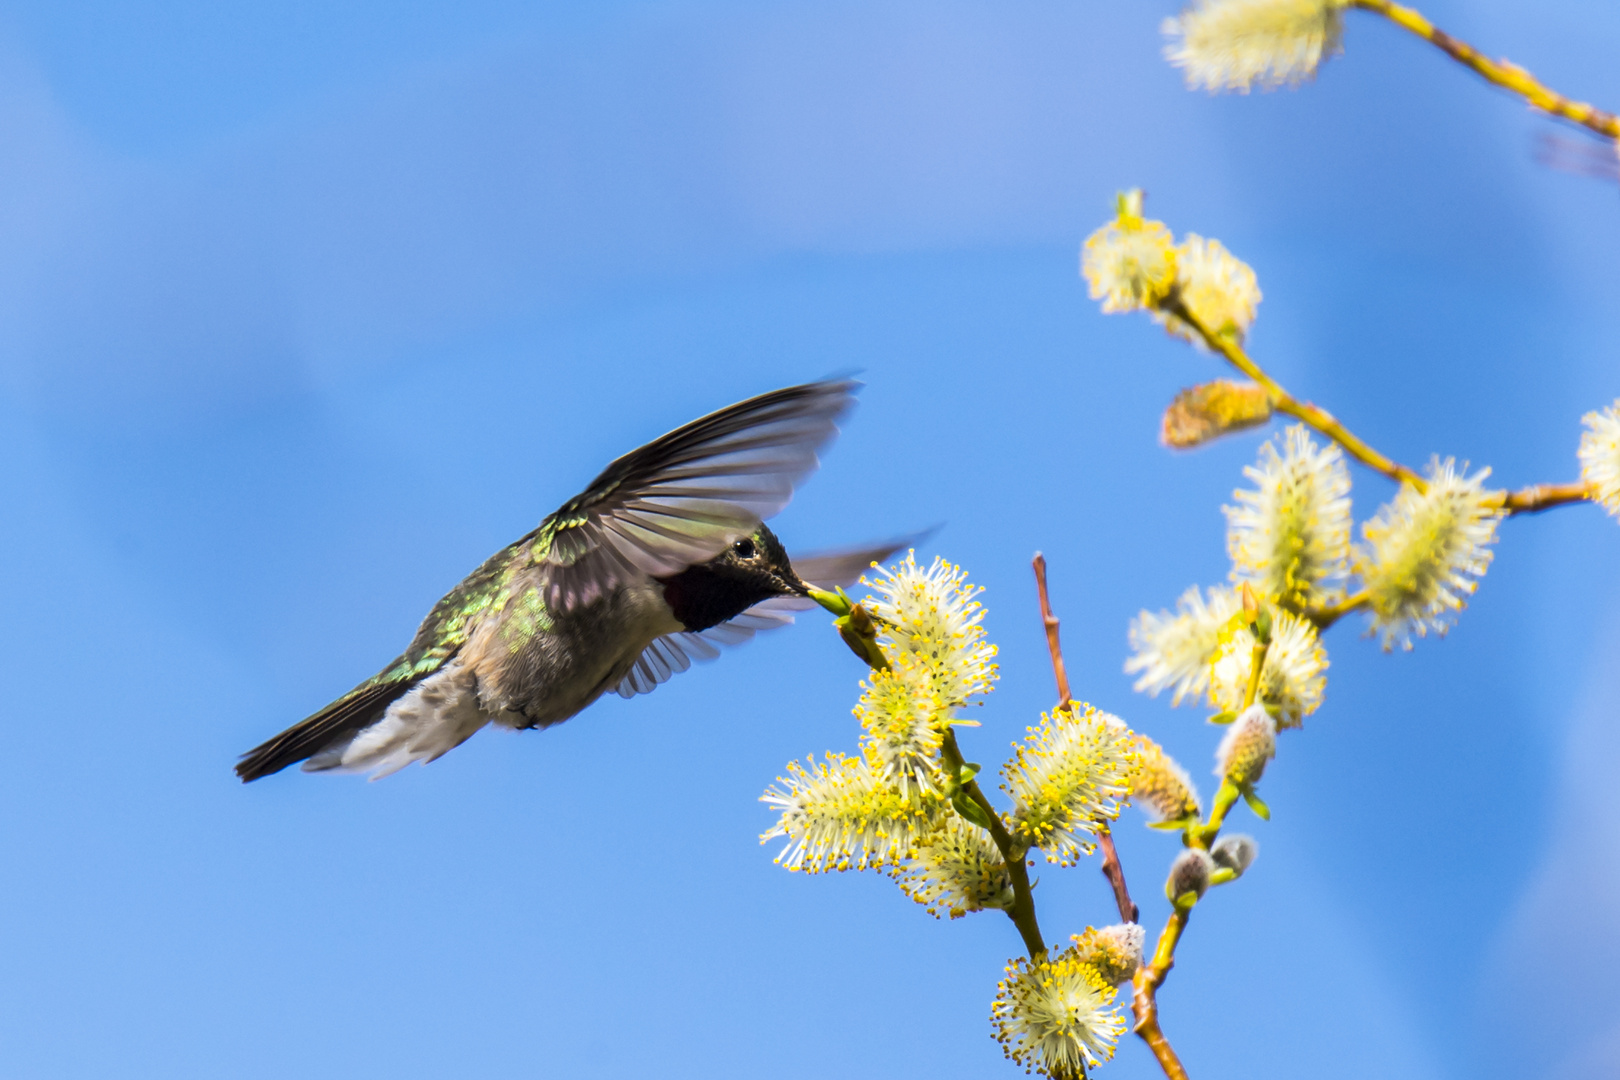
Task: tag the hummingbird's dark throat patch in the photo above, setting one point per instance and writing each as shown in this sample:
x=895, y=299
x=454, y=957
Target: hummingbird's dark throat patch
x=701, y=596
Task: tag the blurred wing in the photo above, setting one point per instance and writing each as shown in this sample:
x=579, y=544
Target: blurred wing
x=682, y=498
x=842, y=568
x=674, y=653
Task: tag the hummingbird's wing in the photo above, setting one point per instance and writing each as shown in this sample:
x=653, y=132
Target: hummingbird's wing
x=683, y=497
x=842, y=568
x=672, y=654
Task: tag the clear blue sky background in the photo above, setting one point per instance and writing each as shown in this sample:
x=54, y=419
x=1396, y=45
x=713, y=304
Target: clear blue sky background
x=305, y=308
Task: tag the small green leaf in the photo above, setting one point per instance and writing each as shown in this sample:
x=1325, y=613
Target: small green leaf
x=969, y=770
x=1261, y=810
x=970, y=810
x=1222, y=876
x=1223, y=717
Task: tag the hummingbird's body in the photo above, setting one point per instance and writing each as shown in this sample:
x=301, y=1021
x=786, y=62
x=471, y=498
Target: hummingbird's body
x=662, y=558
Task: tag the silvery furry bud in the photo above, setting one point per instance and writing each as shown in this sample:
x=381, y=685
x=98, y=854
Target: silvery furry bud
x=1189, y=874
x=1235, y=853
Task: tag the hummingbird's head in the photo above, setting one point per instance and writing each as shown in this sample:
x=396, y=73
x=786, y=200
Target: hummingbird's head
x=751, y=569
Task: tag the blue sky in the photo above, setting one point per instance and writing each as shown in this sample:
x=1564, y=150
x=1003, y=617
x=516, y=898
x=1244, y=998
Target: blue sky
x=306, y=308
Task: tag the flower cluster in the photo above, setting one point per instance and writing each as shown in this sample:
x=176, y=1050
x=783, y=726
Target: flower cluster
x=958, y=869
x=1234, y=44
x=1174, y=652
x=1132, y=264
x=1221, y=291
x=1426, y=551
x=1291, y=679
x=1161, y=788
x=1067, y=779
x=875, y=810
x=909, y=806
x=933, y=629
x=840, y=814
x=1289, y=535
x=1055, y=1015
x=1600, y=456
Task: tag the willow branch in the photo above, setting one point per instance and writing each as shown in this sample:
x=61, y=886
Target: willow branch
x=1312, y=416
x=1111, y=868
x=1533, y=500
x=1145, y=1002
x=1050, y=622
x=1326, y=616
x=1022, y=912
x=856, y=626
x=1503, y=73
x=1530, y=500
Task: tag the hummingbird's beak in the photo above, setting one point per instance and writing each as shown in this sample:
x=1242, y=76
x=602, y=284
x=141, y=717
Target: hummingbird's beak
x=793, y=584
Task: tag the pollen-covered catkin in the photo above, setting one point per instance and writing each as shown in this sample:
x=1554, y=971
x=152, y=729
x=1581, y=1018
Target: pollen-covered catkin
x=1130, y=263
x=1600, y=456
x=1249, y=743
x=1289, y=535
x=1054, y=1015
x=933, y=620
x=1236, y=44
x=1425, y=551
x=1160, y=787
x=1115, y=951
x=1066, y=778
x=1174, y=652
x=957, y=869
x=1218, y=290
x=840, y=814
x=1291, y=676
x=1203, y=413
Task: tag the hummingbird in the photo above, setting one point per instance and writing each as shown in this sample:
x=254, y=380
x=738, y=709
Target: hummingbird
x=663, y=558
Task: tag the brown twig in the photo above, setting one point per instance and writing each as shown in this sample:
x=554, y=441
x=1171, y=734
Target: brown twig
x=1503, y=73
x=1111, y=867
x=1115, y=873
x=1050, y=622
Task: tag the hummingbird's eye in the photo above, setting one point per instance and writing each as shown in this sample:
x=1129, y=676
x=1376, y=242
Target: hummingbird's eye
x=744, y=548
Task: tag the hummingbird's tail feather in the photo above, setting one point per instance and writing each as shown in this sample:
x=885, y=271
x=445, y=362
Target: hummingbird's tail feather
x=438, y=715
x=337, y=723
